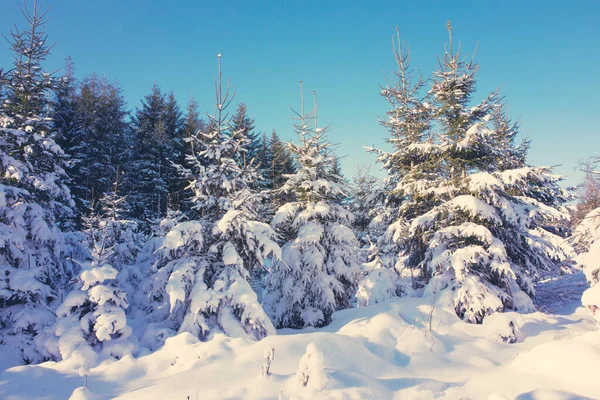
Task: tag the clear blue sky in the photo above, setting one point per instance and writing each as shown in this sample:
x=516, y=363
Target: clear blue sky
x=545, y=53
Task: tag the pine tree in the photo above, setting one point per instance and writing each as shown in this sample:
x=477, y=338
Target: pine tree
x=92, y=319
x=96, y=140
x=242, y=121
x=412, y=167
x=317, y=273
x=379, y=282
x=33, y=197
x=488, y=236
x=336, y=167
x=263, y=162
x=158, y=138
x=281, y=164
x=65, y=122
x=203, y=265
x=465, y=211
x=174, y=129
x=193, y=124
x=64, y=107
x=364, y=189
x=28, y=83
x=148, y=166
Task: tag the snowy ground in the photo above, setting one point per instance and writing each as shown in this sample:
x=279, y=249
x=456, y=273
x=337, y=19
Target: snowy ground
x=384, y=351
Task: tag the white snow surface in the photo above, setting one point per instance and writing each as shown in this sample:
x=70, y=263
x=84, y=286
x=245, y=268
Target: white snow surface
x=382, y=351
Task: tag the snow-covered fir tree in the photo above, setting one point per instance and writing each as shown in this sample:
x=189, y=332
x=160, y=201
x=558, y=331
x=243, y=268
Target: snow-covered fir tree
x=34, y=199
x=192, y=125
x=263, y=161
x=318, y=269
x=92, y=318
x=200, y=278
x=378, y=282
x=241, y=120
x=364, y=189
x=413, y=174
x=281, y=161
x=477, y=219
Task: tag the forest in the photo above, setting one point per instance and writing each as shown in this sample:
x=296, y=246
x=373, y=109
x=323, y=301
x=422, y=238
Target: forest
x=121, y=230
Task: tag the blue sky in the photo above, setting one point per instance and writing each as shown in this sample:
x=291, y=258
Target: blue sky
x=545, y=54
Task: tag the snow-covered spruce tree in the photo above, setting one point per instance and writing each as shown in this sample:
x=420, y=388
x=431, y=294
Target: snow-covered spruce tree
x=364, y=189
x=122, y=236
x=490, y=238
x=33, y=197
x=92, y=318
x=318, y=270
x=263, y=161
x=200, y=279
x=414, y=183
x=242, y=121
x=379, y=283
x=281, y=163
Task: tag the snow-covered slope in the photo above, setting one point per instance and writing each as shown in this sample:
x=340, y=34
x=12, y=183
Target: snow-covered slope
x=384, y=351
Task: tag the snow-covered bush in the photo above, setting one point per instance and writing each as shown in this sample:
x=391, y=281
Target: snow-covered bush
x=379, y=282
x=311, y=369
x=587, y=240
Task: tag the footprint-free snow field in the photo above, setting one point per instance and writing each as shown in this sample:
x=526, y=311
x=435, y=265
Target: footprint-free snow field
x=384, y=351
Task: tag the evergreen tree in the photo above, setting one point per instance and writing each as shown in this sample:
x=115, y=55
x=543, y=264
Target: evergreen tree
x=64, y=107
x=336, y=167
x=281, y=164
x=27, y=83
x=95, y=138
x=317, y=274
x=33, y=197
x=364, y=188
x=242, y=121
x=282, y=161
x=193, y=124
x=174, y=129
x=481, y=226
x=412, y=168
x=203, y=265
x=157, y=136
x=92, y=319
x=263, y=162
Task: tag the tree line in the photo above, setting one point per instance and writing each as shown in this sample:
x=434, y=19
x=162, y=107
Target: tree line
x=200, y=224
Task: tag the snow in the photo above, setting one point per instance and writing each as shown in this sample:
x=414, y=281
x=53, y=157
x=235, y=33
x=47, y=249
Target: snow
x=475, y=207
x=591, y=299
x=384, y=351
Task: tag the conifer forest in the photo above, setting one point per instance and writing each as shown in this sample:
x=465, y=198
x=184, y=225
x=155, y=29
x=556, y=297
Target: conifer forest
x=158, y=251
